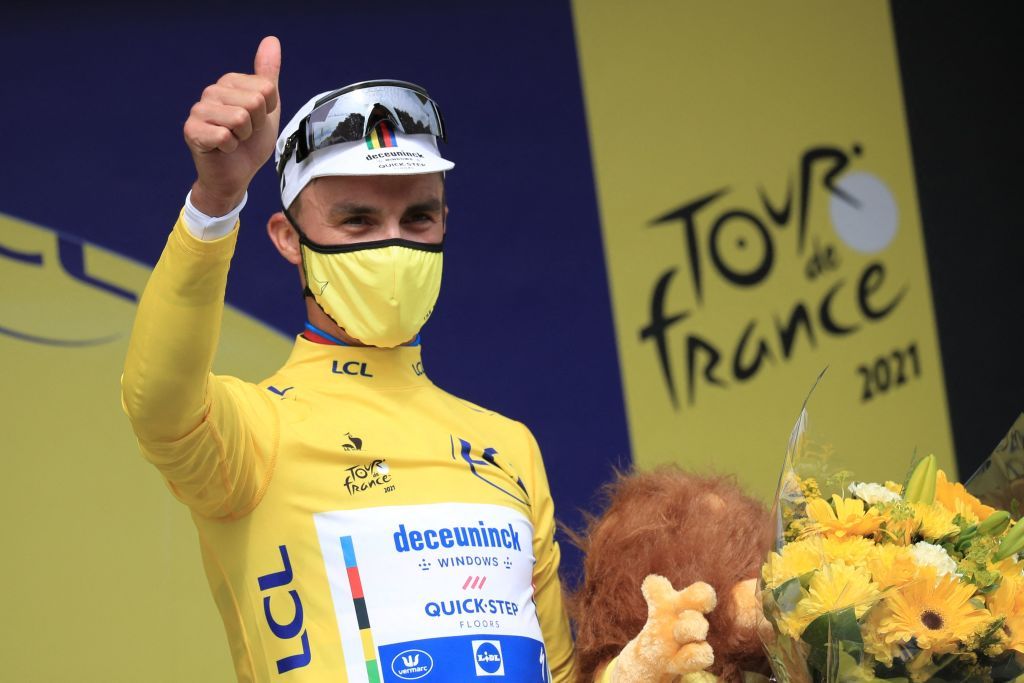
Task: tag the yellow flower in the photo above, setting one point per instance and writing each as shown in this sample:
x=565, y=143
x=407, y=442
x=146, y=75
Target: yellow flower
x=794, y=622
x=957, y=500
x=923, y=667
x=936, y=610
x=874, y=641
x=796, y=559
x=891, y=565
x=1007, y=601
x=845, y=517
x=894, y=487
x=936, y=521
x=809, y=488
x=837, y=586
x=1008, y=568
x=852, y=550
x=902, y=529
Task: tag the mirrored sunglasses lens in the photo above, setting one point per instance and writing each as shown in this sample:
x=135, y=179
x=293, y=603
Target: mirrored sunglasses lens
x=346, y=118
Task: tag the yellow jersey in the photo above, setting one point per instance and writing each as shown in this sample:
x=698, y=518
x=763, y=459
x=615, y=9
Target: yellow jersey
x=356, y=522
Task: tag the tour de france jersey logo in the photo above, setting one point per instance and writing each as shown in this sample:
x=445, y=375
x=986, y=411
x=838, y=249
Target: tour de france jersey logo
x=438, y=592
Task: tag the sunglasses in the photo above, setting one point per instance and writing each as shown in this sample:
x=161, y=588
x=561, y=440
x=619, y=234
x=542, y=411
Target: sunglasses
x=351, y=114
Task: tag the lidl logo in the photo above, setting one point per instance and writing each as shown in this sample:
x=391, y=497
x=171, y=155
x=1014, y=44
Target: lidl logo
x=412, y=664
x=487, y=658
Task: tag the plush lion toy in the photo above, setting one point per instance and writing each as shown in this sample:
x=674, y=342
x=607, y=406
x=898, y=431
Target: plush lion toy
x=662, y=529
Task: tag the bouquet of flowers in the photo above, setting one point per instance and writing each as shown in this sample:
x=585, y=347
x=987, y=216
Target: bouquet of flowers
x=917, y=580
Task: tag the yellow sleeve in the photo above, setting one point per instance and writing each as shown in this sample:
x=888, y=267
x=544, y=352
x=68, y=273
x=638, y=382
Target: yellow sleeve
x=606, y=675
x=554, y=623
x=213, y=438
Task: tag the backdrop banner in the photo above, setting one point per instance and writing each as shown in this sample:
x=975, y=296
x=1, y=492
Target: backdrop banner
x=760, y=223
x=107, y=562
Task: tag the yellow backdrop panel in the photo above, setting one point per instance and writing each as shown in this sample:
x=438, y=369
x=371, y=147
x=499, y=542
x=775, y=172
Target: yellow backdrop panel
x=760, y=223
x=101, y=565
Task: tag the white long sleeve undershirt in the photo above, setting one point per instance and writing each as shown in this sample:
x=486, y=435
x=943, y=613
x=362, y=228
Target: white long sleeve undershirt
x=208, y=228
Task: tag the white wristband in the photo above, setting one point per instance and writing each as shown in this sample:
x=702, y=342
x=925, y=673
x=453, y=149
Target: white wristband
x=211, y=227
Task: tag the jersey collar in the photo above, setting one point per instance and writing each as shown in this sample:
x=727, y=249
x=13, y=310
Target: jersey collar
x=355, y=367
x=315, y=334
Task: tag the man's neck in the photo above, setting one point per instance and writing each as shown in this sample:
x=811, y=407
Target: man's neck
x=320, y=320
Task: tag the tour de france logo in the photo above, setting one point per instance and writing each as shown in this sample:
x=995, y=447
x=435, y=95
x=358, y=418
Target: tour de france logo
x=361, y=477
x=740, y=244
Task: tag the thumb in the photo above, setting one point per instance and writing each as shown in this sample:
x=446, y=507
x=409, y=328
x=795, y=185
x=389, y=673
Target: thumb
x=657, y=592
x=268, y=59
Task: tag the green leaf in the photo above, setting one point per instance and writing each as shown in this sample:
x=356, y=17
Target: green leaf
x=805, y=579
x=833, y=627
x=829, y=635
x=788, y=594
x=1006, y=667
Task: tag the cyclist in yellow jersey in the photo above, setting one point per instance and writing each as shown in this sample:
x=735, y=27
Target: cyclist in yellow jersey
x=356, y=522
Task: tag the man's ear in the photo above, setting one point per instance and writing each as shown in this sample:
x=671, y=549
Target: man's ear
x=444, y=206
x=284, y=237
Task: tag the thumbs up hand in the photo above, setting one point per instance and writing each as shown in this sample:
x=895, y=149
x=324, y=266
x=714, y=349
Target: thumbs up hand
x=232, y=129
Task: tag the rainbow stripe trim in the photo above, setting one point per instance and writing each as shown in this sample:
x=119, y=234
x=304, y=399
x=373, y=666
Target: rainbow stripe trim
x=362, y=616
x=381, y=136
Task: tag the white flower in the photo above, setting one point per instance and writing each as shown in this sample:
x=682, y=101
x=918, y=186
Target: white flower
x=930, y=555
x=873, y=493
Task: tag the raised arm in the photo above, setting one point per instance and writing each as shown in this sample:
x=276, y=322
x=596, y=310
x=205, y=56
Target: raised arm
x=212, y=438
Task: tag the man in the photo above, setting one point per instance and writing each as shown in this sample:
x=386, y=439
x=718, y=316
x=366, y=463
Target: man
x=356, y=522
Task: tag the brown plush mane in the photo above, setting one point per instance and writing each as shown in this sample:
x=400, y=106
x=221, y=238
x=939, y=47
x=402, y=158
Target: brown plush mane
x=685, y=527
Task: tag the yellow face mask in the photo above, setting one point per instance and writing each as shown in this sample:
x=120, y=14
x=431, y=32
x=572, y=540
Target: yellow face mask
x=380, y=293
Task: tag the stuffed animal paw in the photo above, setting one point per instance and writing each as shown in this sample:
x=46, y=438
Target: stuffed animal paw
x=674, y=639
x=687, y=528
